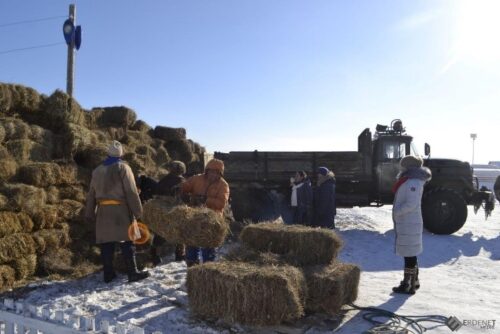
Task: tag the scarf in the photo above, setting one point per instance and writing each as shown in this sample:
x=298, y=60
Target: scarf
x=399, y=183
x=111, y=160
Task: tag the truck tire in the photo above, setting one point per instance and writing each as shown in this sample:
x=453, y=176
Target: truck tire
x=254, y=204
x=444, y=211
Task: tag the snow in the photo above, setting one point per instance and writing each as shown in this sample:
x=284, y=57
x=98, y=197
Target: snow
x=460, y=276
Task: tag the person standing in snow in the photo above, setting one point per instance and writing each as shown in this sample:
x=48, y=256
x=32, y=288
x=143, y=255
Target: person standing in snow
x=324, y=199
x=113, y=203
x=211, y=190
x=407, y=218
x=301, y=199
x=169, y=185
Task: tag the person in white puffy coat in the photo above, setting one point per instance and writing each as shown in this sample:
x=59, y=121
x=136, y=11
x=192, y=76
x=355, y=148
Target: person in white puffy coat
x=407, y=217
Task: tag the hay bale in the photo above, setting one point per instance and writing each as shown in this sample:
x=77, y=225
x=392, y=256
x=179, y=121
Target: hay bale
x=56, y=261
x=60, y=109
x=41, y=174
x=8, y=169
x=44, y=240
x=24, y=267
x=5, y=98
x=122, y=117
x=140, y=126
x=3, y=202
x=180, y=224
x=330, y=287
x=180, y=150
x=299, y=244
x=41, y=136
x=23, y=197
x=16, y=246
x=7, y=277
x=77, y=138
x=15, y=128
x=245, y=293
x=72, y=192
x=161, y=157
x=92, y=156
x=169, y=134
x=25, y=99
x=69, y=210
x=52, y=195
x=23, y=150
x=245, y=254
x=46, y=217
x=12, y=222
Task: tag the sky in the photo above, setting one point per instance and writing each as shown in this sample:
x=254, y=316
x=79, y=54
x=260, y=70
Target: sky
x=278, y=75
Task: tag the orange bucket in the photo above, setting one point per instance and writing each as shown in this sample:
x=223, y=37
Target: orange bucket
x=145, y=235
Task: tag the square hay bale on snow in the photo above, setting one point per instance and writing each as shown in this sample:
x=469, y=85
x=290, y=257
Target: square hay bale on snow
x=300, y=245
x=246, y=293
x=330, y=287
x=180, y=224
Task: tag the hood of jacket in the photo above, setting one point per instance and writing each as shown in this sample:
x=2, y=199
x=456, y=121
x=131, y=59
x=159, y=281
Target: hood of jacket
x=421, y=173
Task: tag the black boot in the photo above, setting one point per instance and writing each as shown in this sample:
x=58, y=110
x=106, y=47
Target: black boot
x=107, y=254
x=128, y=252
x=417, y=281
x=407, y=285
x=155, y=257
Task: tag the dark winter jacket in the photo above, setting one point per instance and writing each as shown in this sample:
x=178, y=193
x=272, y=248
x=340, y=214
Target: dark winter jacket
x=169, y=185
x=147, y=186
x=324, y=202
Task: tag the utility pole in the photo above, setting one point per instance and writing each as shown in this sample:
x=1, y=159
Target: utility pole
x=473, y=137
x=71, y=54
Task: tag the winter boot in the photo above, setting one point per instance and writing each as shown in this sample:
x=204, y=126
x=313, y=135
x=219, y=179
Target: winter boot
x=407, y=285
x=155, y=258
x=417, y=281
x=180, y=253
x=107, y=254
x=128, y=252
x=135, y=275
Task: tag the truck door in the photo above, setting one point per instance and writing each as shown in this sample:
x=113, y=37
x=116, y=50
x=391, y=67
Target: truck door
x=390, y=152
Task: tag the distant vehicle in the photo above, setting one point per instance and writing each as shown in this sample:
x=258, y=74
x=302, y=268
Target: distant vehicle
x=260, y=187
x=494, y=163
x=486, y=175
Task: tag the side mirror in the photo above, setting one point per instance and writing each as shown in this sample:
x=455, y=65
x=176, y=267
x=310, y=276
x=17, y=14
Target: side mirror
x=427, y=149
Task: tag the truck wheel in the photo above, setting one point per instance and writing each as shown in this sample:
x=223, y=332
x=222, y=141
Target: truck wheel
x=444, y=211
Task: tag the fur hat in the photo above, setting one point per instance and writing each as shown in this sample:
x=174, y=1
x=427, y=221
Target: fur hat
x=215, y=164
x=411, y=161
x=177, y=167
x=115, y=149
x=323, y=171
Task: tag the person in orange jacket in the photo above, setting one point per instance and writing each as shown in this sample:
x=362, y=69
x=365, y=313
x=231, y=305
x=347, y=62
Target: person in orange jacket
x=210, y=190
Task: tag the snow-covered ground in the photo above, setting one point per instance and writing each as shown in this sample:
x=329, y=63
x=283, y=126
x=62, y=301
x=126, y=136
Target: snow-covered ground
x=460, y=276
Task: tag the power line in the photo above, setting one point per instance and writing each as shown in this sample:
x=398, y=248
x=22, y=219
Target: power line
x=31, y=48
x=31, y=21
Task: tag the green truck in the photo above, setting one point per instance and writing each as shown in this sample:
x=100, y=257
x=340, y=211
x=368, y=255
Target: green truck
x=260, y=181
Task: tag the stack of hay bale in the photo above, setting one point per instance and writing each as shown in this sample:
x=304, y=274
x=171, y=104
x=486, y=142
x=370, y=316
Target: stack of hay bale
x=49, y=146
x=278, y=273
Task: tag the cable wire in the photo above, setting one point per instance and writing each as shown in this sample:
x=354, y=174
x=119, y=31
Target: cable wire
x=31, y=47
x=395, y=323
x=31, y=21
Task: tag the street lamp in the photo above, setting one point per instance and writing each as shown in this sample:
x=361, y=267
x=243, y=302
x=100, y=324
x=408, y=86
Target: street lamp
x=473, y=136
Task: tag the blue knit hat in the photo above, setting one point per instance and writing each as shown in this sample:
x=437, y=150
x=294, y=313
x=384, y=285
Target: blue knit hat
x=323, y=171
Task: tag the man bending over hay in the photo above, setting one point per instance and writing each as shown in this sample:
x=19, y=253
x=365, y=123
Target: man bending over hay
x=113, y=203
x=211, y=190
